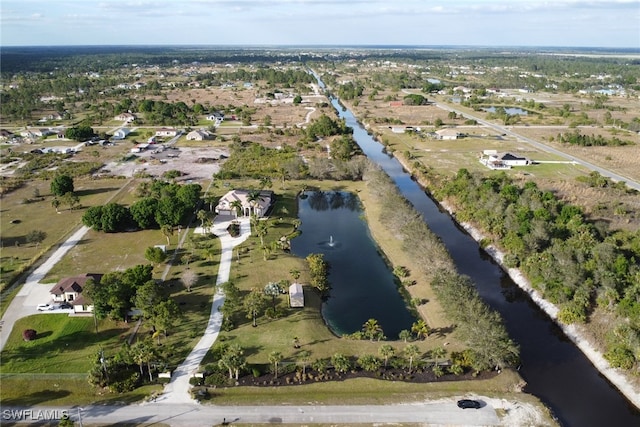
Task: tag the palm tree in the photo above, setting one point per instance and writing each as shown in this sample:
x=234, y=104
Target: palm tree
x=372, y=329
x=236, y=205
x=265, y=182
x=233, y=359
x=437, y=354
x=404, y=335
x=252, y=198
x=262, y=229
x=209, y=198
x=167, y=231
x=254, y=304
x=421, y=329
x=386, y=351
x=304, y=356
x=295, y=274
x=340, y=362
x=275, y=357
x=56, y=204
x=411, y=352
x=202, y=215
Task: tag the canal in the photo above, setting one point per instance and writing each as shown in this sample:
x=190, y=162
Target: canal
x=555, y=370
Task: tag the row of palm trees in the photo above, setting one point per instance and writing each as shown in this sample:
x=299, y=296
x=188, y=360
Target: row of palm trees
x=233, y=360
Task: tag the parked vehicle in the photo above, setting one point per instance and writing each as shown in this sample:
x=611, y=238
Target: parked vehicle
x=468, y=404
x=45, y=307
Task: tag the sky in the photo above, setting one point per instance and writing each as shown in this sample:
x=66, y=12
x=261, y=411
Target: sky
x=574, y=23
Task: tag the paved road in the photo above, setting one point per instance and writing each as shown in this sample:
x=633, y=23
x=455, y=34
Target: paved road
x=433, y=413
x=506, y=130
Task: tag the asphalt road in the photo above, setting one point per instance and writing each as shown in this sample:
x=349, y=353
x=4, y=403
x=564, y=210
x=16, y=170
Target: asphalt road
x=506, y=130
x=442, y=413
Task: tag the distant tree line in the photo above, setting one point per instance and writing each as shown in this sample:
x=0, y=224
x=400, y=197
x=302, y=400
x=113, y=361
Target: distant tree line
x=576, y=138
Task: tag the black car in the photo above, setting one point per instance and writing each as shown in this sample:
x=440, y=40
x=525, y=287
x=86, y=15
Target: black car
x=468, y=404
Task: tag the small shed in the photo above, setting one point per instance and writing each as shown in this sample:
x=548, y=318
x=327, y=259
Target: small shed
x=296, y=295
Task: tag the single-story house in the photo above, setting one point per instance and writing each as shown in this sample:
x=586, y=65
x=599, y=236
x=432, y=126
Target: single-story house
x=121, y=133
x=199, y=135
x=513, y=160
x=70, y=290
x=503, y=160
x=447, y=134
x=126, y=117
x=251, y=203
x=216, y=117
x=166, y=132
x=296, y=295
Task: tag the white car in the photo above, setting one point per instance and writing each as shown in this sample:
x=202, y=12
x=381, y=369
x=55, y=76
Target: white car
x=45, y=307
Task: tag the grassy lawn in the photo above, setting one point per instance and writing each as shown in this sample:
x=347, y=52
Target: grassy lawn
x=63, y=345
x=20, y=217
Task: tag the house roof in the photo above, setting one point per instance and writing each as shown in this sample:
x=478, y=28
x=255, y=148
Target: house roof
x=509, y=156
x=243, y=197
x=447, y=132
x=74, y=284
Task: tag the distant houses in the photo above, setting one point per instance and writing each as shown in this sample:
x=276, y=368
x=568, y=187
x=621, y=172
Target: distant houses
x=126, y=117
x=447, y=134
x=200, y=135
x=166, y=132
x=121, y=133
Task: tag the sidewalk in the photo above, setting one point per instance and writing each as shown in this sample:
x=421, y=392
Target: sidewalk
x=177, y=391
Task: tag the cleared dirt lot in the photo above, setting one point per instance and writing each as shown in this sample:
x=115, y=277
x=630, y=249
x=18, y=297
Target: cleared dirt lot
x=197, y=164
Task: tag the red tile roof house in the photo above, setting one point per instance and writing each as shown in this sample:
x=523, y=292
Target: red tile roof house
x=70, y=289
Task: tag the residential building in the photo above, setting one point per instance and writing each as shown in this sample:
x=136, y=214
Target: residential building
x=250, y=203
x=70, y=290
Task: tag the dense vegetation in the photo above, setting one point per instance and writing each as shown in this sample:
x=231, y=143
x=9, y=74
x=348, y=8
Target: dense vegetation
x=162, y=204
x=581, y=266
x=478, y=326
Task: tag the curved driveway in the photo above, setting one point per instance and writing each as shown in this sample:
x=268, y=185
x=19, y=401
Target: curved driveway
x=503, y=129
x=177, y=391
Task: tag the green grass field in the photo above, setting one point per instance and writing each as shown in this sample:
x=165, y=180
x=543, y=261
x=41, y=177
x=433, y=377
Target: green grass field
x=64, y=344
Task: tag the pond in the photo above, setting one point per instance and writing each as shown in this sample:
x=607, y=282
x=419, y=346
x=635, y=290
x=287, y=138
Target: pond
x=362, y=284
x=512, y=111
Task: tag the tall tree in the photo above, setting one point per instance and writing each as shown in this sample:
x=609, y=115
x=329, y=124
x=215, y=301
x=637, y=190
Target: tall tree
x=275, y=357
x=233, y=360
x=254, y=304
x=372, y=330
x=61, y=185
x=386, y=351
x=411, y=351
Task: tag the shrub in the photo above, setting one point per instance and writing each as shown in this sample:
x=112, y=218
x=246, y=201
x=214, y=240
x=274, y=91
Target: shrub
x=29, y=334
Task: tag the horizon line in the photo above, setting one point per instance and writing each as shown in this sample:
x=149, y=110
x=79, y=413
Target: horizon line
x=328, y=46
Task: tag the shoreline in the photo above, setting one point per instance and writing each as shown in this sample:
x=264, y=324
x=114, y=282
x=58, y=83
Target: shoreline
x=614, y=376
